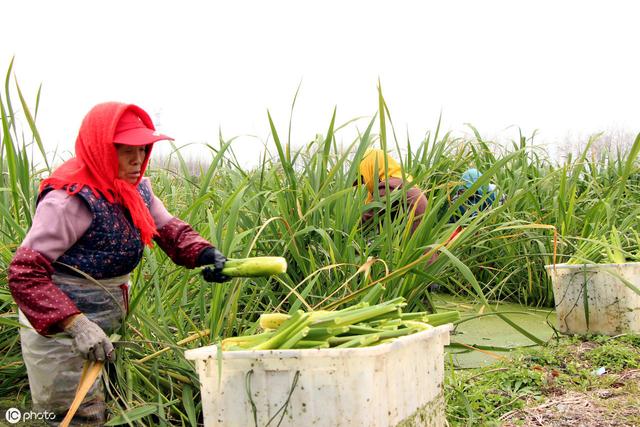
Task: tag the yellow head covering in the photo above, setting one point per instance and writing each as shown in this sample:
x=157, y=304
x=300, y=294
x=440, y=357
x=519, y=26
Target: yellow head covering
x=374, y=159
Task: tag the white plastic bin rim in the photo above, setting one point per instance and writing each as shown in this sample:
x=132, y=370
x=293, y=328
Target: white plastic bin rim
x=549, y=267
x=207, y=352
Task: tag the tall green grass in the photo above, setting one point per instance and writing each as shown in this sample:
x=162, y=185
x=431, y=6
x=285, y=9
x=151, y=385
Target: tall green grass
x=299, y=203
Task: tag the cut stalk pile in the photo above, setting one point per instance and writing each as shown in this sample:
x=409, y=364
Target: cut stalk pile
x=360, y=325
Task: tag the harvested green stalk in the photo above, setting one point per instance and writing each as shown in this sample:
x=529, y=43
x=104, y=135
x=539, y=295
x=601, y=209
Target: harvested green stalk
x=246, y=340
x=324, y=333
x=360, y=341
x=272, y=320
x=255, y=267
x=437, y=319
x=297, y=336
x=356, y=326
x=283, y=333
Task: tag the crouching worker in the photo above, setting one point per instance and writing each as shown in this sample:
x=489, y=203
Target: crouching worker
x=94, y=214
x=483, y=198
x=378, y=175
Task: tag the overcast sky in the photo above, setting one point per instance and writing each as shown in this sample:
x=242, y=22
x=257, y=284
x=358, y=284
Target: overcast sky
x=561, y=67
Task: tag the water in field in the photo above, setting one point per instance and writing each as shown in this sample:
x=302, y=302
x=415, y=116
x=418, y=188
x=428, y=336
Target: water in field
x=491, y=335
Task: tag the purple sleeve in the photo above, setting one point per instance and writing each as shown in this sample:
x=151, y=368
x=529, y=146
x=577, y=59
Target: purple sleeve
x=159, y=213
x=59, y=222
x=175, y=237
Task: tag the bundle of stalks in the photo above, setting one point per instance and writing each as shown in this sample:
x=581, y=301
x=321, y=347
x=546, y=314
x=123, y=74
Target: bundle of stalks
x=360, y=325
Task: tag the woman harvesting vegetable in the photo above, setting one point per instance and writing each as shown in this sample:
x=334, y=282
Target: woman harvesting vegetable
x=379, y=171
x=94, y=214
x=483, y=198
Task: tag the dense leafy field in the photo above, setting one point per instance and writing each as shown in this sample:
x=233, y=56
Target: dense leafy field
x=299, y=203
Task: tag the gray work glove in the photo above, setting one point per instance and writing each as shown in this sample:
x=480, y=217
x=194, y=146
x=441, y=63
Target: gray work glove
x=90, y=340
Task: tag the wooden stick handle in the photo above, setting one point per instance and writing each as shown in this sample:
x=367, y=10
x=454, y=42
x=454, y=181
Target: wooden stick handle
x=90, y=372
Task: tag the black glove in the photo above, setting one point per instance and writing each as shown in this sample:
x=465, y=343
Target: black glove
x=212, y=256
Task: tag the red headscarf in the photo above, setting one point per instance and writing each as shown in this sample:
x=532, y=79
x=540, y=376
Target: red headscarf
x=96, y=165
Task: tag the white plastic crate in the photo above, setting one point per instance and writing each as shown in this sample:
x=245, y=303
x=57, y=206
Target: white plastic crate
x=613, y=308
x=394, y=384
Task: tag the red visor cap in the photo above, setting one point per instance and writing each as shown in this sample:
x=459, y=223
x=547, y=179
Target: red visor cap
x=131, y=131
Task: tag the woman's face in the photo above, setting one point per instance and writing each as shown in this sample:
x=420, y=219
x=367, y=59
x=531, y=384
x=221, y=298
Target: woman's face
x=130, y=159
